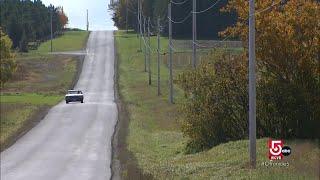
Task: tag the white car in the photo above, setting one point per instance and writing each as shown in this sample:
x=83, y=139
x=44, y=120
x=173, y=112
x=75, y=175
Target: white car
x=73, y=96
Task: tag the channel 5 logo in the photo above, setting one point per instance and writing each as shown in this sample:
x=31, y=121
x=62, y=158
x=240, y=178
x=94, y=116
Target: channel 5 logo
x=277, y=149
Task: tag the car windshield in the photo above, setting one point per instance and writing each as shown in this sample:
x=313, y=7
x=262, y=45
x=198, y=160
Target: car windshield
x=74, y=92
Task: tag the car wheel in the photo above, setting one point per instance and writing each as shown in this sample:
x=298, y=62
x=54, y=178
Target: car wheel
x=67, y=102
x=82, y=101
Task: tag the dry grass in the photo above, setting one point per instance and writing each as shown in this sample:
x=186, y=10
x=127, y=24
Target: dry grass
x=42, y=75
x=38, y=83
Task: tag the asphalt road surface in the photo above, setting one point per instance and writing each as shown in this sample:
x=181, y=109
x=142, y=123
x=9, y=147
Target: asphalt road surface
x=73, y=141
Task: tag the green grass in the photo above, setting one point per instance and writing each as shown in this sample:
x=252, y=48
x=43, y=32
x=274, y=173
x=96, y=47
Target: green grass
x=47, y=74
x=13, y=117
x=29, y=98
x=70, y=41
x=155, y=139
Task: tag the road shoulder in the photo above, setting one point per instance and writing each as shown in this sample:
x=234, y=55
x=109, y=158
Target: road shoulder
x=124, y=164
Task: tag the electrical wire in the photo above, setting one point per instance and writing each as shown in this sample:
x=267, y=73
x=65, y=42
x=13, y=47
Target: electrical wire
x=256, y=13
x=214, y=46
x=180, y=22
x=132, y=11
x=267, y=8
x=147, y=45
x=172, y=48
x=178, y=3
x=205, y=10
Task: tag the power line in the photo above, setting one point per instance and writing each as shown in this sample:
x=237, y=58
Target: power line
x=182, y=21
x=132, y=11
x=172, y=47
x=179, y=3
x=267, y=8
x=203, y=46
x=212, y=6
x=148, y=46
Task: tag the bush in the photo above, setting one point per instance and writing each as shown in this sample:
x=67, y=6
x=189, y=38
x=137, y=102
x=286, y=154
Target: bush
x=289, y=109
x=7, y=63
x=216, y=109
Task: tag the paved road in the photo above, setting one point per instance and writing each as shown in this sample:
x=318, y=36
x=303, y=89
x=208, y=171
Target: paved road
x=73, y=142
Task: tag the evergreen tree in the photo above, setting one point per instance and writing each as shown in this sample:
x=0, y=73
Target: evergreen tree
x=31, y=18
x=213, y=19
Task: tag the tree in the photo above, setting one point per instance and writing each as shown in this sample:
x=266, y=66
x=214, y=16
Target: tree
x=287, y=50
x=8, y=65
x=62, y=17
x=31, y=18
x=213, y=19
x=216, y=107
x=288, y=79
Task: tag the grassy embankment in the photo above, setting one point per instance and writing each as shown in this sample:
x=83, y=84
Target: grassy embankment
x=39, y=83
x=155, y=140
x=70, y=41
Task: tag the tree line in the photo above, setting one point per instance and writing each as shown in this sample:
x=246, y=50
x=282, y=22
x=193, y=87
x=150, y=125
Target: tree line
x=30, y=21
x=125, y=13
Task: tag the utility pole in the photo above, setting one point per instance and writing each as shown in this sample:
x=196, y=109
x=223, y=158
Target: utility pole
x=138, y=22
x=149, y=52
x=170, y=55
x=127, y=15
x=87, y=20
x=194, y=34
x=140, y=19
x=158, y=51
x=145, y=47
x=51, y=28
x=252, y=86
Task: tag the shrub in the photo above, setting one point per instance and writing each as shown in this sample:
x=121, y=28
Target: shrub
x=7, y=63
x=289, y=109
x=216, y=109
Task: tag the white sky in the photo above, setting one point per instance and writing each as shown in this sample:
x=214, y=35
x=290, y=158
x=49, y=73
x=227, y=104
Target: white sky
x=99, y=15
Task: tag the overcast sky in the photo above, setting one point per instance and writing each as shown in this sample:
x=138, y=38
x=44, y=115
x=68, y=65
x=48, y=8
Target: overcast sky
x=99, y=15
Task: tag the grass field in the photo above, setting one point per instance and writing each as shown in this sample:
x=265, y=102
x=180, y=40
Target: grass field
x=155, y=140
x=13, y=117
x=32, y=99
x=70, y=41
x=39, y=83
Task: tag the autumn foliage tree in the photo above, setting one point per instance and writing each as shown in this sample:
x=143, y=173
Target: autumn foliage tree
x=8, y=65
x=288, y=46
x=288, y=78
x=216, y=106
x=63, y=18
